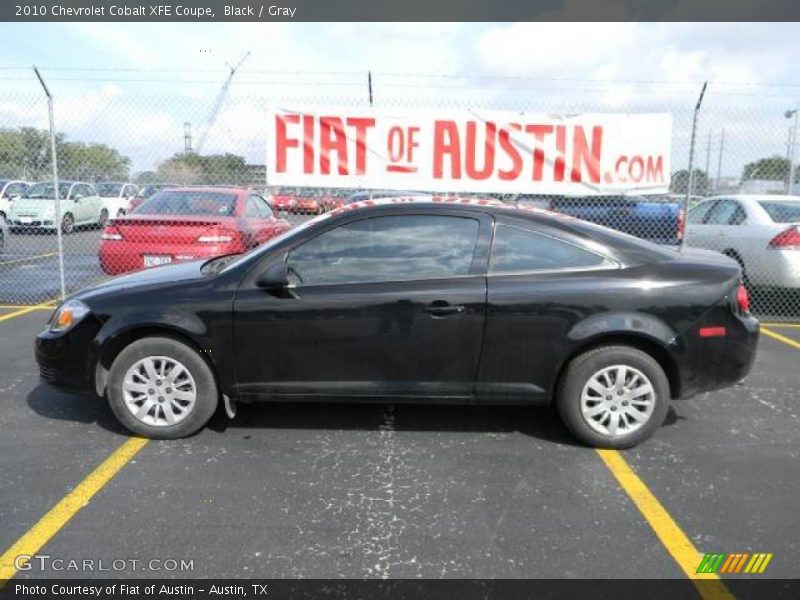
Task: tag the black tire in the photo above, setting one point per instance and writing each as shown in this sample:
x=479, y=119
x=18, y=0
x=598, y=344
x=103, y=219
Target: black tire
x=121, y=212
x=207, y=395
x=67, y=224
x=584, y=367
x=101, y=222
x=2, y=241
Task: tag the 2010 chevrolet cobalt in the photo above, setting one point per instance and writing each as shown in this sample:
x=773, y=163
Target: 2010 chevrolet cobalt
x=414, y=299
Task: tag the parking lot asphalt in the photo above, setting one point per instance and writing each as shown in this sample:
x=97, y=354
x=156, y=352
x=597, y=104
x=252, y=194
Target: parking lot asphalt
x=332, y=490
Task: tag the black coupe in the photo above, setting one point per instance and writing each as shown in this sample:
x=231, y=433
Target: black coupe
x=414, y=299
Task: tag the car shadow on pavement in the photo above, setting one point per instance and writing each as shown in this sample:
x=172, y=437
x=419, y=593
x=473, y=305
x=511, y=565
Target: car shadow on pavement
x=79, y=408
x=542, y=423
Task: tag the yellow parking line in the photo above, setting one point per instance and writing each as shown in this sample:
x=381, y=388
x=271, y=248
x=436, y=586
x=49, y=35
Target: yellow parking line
x=18, y=260
x=781, y=338
x=66, y=508
x=676, y=542
x=19, y=306
x=24, y=311
x=779, y=324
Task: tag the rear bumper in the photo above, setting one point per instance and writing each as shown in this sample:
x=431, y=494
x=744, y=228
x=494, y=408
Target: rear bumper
x=719, y=362
x=775, y=268
x=118, y=257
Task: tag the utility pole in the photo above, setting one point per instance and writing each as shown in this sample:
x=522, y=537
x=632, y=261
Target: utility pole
x=218, y=102
x=691, y=148
x=187, y=138
x=369, y=86
x=56, y=195
x=789, y=114
x=708, y=153
x=719, y=161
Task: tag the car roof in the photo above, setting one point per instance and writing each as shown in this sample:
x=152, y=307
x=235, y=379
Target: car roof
x=756, y=197
x=208, y=188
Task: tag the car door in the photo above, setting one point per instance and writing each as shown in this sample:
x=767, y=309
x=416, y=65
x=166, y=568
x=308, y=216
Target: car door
x=718, y=222
x=540, y=284
x=81, y=205
x=389, y=305
x=697, y=233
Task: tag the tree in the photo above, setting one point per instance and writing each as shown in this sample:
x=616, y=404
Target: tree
x=193, y=168
x=774, y=168
x=145, y=177
x=680, y=182
x=25, y=154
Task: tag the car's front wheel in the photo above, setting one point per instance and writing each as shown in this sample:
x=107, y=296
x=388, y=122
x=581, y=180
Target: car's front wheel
x=161, y=388
x=613, y=396
x=67, y=224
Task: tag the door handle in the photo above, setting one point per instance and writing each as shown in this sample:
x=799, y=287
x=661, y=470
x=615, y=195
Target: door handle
x=444, y=309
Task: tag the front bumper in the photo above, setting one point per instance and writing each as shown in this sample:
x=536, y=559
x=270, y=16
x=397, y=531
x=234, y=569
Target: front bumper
x=66, y=360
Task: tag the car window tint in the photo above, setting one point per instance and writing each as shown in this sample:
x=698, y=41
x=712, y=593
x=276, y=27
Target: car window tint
x=739, y=216
x=698, y=213
x=189, y=203
x=520, y=250
x=252, y=208
x=723, y=213
x=387, y=249
x=263, y=207
x=782, y=211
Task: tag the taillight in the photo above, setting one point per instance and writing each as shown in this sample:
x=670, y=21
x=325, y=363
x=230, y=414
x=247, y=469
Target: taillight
x=787, y=240
x=218, y=235
x=681, y=224
x=742, y=299
x=111, y=233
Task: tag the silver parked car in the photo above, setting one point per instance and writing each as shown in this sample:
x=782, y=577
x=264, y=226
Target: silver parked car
x=761, y=232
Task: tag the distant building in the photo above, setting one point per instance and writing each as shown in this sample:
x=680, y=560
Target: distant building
x=762, y=186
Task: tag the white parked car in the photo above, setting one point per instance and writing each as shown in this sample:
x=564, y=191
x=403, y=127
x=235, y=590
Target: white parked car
x=10, y=190
x=761, y=232
x=115, y=196
x=36, y=210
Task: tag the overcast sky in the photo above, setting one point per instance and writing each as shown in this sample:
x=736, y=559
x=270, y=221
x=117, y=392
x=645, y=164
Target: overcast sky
x=134, y=85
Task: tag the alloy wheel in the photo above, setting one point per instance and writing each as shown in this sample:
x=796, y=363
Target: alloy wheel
x=159, y=391
x=617, y=400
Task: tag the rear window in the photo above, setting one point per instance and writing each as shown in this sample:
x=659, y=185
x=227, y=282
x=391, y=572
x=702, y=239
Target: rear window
x=782, y=211
x=189, y=203
x=108, y=189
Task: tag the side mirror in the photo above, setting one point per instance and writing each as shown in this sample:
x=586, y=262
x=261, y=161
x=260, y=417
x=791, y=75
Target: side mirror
x=276, y=276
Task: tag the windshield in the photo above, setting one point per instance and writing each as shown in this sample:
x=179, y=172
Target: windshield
x=108, y=189
x=44, y=191
x=189, y=203
x=782, y=211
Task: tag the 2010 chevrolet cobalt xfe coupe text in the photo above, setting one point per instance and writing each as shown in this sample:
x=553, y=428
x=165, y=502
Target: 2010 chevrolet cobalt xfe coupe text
x=414, y=299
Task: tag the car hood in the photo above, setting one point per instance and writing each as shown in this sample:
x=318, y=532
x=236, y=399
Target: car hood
x=33, y=206
x=157, y=276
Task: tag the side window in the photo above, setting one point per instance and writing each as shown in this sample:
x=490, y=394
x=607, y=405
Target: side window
x=739, y=216
x=263, y=207
x=395, y=248
x=16, y=189
x=251, y=210
x=723, y=213
x=76, y=192
x=89, y=190
x=519, y=250
x=698, y=213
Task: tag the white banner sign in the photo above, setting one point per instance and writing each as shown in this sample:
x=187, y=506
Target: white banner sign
x=469, y=151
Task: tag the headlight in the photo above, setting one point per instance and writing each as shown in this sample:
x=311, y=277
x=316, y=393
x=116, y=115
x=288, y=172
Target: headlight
x=68, y=314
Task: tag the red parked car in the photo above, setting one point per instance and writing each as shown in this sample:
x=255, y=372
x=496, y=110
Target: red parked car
x=283, y=202
x=189, y=223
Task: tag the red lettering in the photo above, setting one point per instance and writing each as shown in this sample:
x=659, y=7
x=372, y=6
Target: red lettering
x=507, y=145
x=655, y=168
x=559, y=165
x=361, y=125
x=539, y=132
x=332, y=139
x=472, y=150
x=308, y=143
x=582, y=155
x=446, y=144
x=282, y=141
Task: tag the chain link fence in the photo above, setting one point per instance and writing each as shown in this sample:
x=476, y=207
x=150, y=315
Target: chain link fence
x=118, y=146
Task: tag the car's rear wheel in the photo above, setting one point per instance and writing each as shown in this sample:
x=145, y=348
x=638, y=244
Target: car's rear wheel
x=67, y=223
x=161, y=388
x=101, y=222
x=121, y=212
x=613, y=397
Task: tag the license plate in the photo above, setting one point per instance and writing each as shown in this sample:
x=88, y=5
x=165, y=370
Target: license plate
x=154, y=261
x=26, y=219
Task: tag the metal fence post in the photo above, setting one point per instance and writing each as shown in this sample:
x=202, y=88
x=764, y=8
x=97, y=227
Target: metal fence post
x=55, y=182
